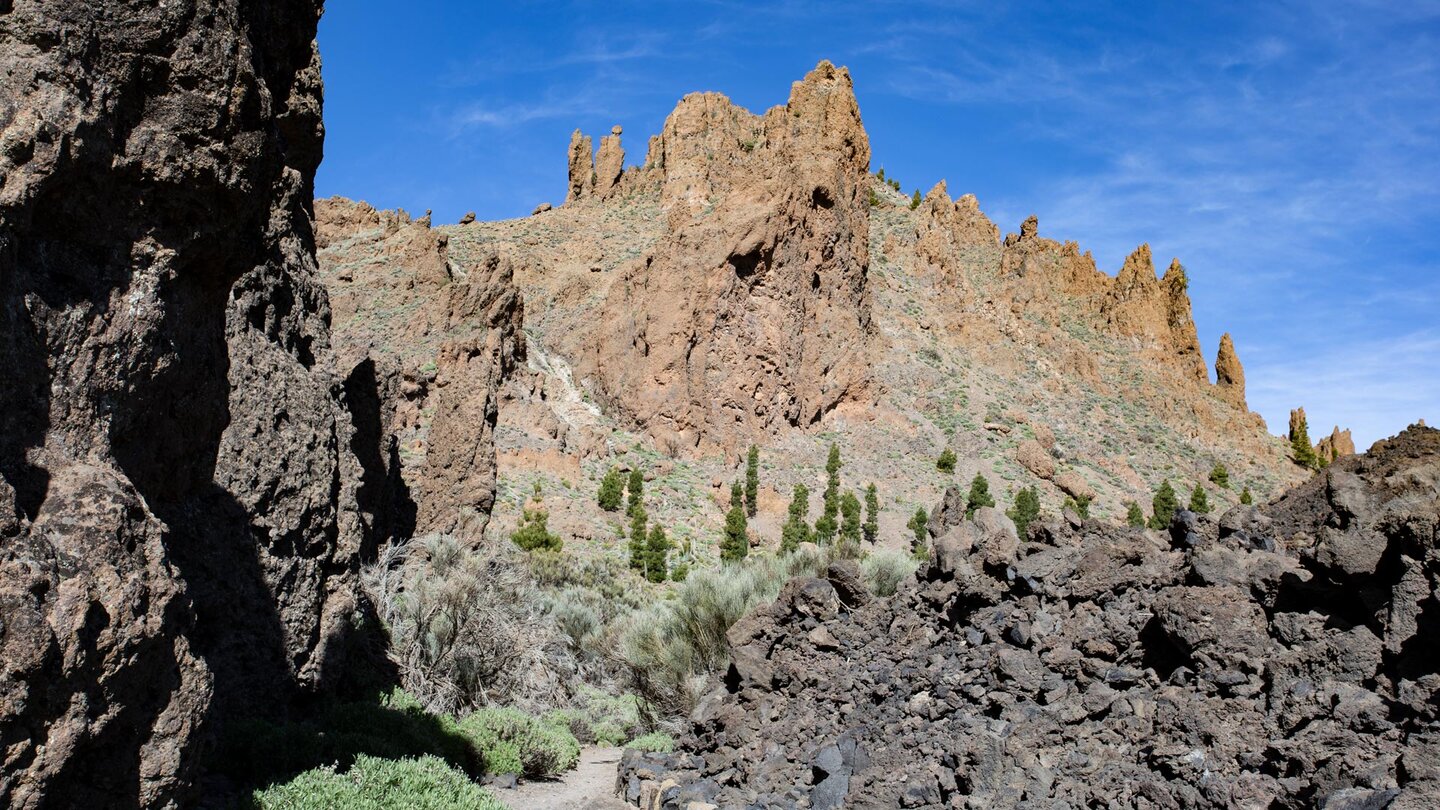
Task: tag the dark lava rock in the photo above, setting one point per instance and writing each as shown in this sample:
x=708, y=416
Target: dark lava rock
x=189, y=477
x=1100, y=668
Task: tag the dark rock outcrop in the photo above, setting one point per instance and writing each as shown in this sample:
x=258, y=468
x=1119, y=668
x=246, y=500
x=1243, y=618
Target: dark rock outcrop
x=187, y=475
x=1279, y=659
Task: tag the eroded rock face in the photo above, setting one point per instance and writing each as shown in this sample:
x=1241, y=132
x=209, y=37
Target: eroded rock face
x=179, y=446
x=1262, y=660
x=1156, y=311
x=440, y=367
x=753, y=313
x=1338, y=443
x=1229, y=374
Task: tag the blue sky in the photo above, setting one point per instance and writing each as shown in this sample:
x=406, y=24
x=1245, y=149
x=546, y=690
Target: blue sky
x=1287, y=153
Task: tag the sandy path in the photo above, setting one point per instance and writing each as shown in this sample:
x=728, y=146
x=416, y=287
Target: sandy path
x=590, y=786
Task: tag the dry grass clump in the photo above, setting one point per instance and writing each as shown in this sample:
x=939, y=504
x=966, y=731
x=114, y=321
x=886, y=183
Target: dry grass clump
x=468, y=627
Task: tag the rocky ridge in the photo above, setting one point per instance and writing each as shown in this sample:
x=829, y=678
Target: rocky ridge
x=752, y=282
x=1277, y=657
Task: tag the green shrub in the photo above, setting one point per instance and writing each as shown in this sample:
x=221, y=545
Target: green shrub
x=915, y=200
x=1199, y=503
x=796, y=530
x=612, y=491
x=598, y=717
x=871, y=528
x=511, y=741
x=979, y=495
x=850, y=520
x=372, y=783
x=657, y=553
x=918, y=525
x=1080, y=505
x=735, y=543
x=654, y=741
x=946, y=462
x=1220, y=477
x=1163, y=506
x=1246, y=498
x=636, y=489
x=1026, y=509
x=1134, y=515
x=534, y=534
x=885, y=569
x=670, y=648
x=1300, y=447
x=639, y=540
x=752, y=481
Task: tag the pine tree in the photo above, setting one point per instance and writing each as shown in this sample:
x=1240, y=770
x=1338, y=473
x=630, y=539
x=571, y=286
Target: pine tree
x=1026, y=509
x=827, y=524
x=796, y=529
x=979, y=495
x=1199, y=503
x=919, y=522
x=637, y=490
x=915, y=200
x=1163, y=506
x=871, y=529
x=850, y=522
x=657, y=550
x=737, y=495
x=946, y=462
x=1300, y=446
x=1080, y=505
x=736, y=542
x=752, y=481
x=1134, y=515
x=1220, y=477
x=612, y=490
x=533, y=535
x=1246, y=498
x=639, y=542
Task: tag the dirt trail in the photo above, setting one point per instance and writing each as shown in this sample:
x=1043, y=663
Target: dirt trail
x=589, y=787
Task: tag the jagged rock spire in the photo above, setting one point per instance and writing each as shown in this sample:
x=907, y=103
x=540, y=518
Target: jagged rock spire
x=1229, y=375
x=582, y=167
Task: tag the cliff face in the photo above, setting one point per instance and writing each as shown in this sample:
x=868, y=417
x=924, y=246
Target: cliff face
x=443, y=335
x=180, y=446
x=752, y=314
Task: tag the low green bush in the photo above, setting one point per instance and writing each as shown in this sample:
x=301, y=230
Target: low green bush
x=511, y=741
x=654, y=741
x=670, y=648
x=253, y=752
x=885, y=569
x=372, y=783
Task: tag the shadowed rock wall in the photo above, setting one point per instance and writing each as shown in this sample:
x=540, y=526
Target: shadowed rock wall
x=183, y=493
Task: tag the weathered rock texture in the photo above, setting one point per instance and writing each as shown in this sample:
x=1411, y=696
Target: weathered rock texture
x=753, y=313
x=443, y=360
x=1278, y=659
x=1229, y=374
x=1338, y=443
x=188, y=479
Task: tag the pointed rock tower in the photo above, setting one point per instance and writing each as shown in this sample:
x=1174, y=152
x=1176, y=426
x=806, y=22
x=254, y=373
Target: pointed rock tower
x=1229, y=375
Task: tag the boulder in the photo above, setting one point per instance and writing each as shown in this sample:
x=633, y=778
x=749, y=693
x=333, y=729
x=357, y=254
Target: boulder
x=1032, y=456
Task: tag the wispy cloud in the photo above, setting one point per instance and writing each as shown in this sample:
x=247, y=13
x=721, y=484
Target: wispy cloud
x=1374, y=387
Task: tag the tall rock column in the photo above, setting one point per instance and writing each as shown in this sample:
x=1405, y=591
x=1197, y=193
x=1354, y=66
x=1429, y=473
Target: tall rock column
x=582, y=167
x=178, y=474
x=609, y=163
x=1229, y=375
